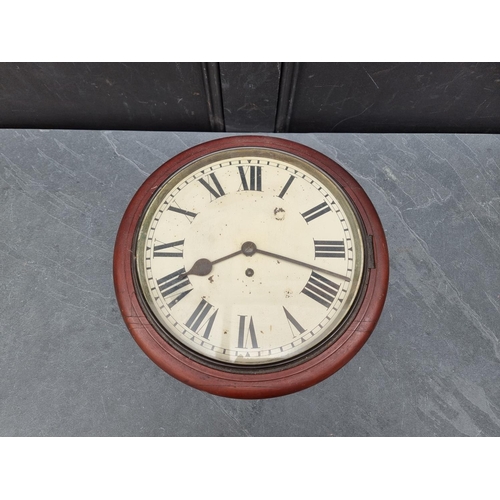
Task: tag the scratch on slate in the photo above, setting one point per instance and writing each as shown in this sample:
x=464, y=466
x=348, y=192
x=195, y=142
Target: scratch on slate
x=354, y=116
x=56, y=163
x=128, y=160
x=227, y=414
x=180, y=139
x=155, y=152
x=70, y=151
x=104, y=406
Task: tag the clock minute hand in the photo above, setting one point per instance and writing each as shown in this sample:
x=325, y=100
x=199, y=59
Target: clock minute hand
x=305, y=264
x=203, y=267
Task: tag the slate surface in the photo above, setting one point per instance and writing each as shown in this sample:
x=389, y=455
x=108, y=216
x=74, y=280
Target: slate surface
x=68, y=366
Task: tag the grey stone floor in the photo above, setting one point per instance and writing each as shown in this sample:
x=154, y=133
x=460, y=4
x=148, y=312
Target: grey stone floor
x=68, y=366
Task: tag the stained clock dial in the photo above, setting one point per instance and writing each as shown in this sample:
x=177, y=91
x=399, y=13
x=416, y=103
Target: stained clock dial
x=249, y=257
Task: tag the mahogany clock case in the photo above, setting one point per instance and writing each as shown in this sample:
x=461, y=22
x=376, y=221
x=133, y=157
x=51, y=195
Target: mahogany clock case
x=279, y=379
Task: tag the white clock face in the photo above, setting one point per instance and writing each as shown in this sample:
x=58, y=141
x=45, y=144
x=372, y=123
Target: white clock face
x=249, y=256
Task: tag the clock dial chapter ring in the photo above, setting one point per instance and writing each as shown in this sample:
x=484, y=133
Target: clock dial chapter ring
x=277, y=377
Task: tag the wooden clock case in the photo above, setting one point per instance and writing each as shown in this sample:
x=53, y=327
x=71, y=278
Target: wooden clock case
x=263, y=382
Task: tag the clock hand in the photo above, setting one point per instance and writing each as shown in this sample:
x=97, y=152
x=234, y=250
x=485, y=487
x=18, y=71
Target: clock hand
x=294, y=261
x=203, y=267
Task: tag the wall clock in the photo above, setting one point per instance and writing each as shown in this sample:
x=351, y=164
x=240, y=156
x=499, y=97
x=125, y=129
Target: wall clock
x=251, y=267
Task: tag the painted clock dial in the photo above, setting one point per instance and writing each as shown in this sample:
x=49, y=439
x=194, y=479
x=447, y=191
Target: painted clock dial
x=242, y=263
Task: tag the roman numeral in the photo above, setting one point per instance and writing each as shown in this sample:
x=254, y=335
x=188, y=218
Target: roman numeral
x=246, y=332
x=321, y=289
x=189, y=215
x=327, y=248
x=216, y=191
x=251, y=180
x=199, y=319
x=172, y=283
x=293, y=322
x=286, y=186
x=316, y=211
x=157, y=249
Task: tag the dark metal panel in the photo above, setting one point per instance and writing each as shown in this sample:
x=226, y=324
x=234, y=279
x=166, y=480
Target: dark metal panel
x=250, y=96
x=140, y=96
x=397, y=97
x=253, y=97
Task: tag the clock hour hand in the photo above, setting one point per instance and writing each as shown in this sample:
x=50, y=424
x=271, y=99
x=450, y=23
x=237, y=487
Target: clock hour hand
x=305, y=264
x=203, y=267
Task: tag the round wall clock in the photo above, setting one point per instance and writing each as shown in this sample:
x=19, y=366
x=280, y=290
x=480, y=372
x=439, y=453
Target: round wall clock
x=251, y=267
